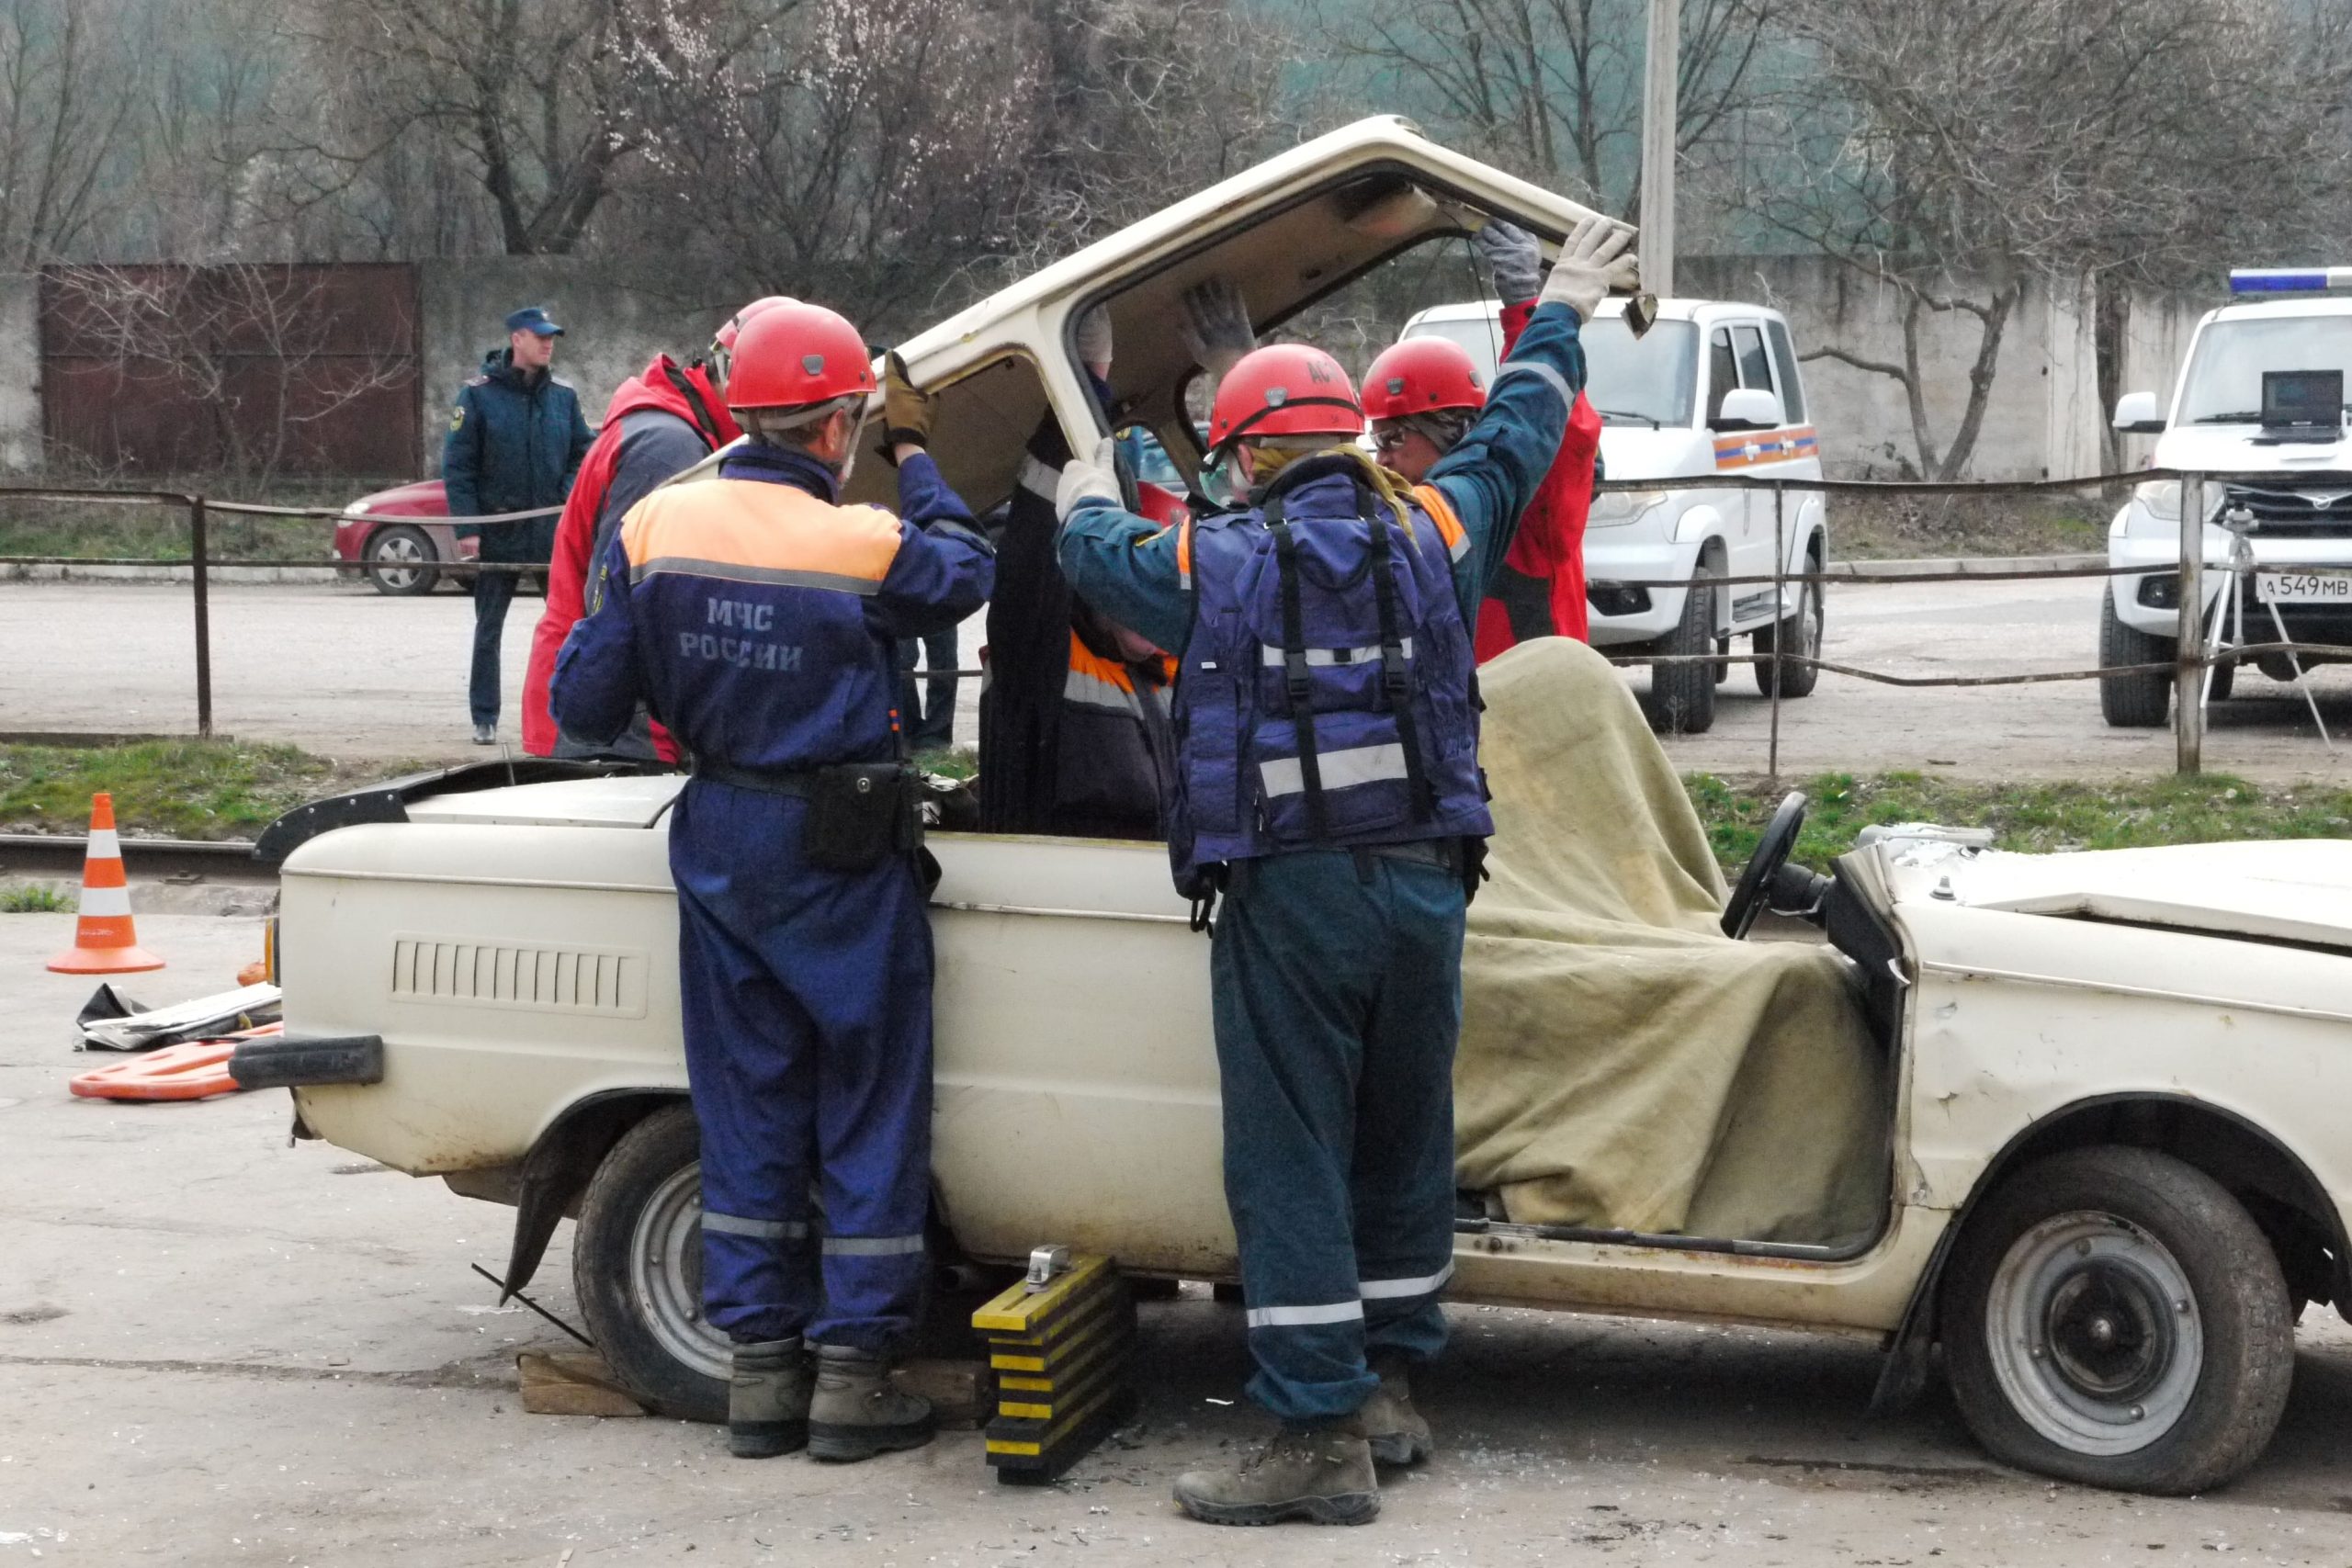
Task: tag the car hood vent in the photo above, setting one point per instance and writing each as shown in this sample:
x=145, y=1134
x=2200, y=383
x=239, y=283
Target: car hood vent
x=609, y=982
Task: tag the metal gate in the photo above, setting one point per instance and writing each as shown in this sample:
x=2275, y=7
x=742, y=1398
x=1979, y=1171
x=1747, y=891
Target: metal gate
x=260, y=368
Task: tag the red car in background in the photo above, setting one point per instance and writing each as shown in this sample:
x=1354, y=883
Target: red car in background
x=398, y=538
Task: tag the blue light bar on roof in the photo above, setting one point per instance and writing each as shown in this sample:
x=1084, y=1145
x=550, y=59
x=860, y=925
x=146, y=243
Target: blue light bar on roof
x=2288, y=279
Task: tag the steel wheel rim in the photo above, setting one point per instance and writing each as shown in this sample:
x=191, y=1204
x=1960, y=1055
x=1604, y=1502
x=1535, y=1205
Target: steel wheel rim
x=398, y=559
x=2095, y=1334
x=665, y=1275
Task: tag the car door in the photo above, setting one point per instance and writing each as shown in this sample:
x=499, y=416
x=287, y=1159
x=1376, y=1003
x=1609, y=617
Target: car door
x=1748, y=515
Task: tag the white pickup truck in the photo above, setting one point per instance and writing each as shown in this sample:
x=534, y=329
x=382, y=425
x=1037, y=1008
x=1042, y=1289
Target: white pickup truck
x=2091, y=1143
x=1713, y=387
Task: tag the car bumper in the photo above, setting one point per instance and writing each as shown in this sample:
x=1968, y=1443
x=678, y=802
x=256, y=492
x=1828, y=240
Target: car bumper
x=300, y=1061
x=2148, y=601
x=1619, y=614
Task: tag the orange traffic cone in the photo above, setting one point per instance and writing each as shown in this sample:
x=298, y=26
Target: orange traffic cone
x=104, y=940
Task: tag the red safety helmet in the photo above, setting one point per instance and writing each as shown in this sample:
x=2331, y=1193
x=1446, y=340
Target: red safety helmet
x=794, y=354
x=1286, y=389
x=723, y=340
x=1421, y=375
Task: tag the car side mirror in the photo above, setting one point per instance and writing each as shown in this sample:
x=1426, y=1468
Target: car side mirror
x=2136, y=414
x=1750, y=408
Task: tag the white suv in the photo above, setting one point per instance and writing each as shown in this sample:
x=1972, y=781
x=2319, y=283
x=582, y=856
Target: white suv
x=2290, y=496
x=1712, y=388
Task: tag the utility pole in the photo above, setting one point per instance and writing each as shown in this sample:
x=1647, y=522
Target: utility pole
x=1661, y=63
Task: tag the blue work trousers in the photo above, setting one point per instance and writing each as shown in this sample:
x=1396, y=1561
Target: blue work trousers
x=1337, y=991
x=494, y=591
x=807, y=1002
x=931, y=721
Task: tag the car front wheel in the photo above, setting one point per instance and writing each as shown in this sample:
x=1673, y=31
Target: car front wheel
x=1802, y=633
x=1682, y=697
x=401, y=561
x=637, y=1269
x=2114, y=1316
x=2136, y=700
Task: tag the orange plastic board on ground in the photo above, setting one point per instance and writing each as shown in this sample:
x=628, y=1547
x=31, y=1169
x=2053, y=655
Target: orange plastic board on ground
x=194, y=1071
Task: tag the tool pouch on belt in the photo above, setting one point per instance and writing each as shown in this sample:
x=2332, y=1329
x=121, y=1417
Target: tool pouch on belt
x=860, y=814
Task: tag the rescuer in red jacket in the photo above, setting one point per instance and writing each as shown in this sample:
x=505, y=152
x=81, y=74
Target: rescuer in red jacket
x=1422, y=393
x=660, y=422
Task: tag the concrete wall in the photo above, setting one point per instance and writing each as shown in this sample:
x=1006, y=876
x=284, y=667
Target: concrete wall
x=2044, y=419
x=19, y=371
x=613, y=322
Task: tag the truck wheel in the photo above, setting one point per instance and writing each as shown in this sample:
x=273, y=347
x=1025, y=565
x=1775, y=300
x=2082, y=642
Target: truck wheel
x=637, y=1269
x=401, y=562
x=1803, y=632
x=1681, y=698
x=2131, y=702
x=2113, y=1316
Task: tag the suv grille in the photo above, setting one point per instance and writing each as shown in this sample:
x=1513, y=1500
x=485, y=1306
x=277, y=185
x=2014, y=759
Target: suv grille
x=2323, y=511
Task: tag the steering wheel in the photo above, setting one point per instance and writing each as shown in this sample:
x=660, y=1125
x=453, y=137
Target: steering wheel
x=1747, y=900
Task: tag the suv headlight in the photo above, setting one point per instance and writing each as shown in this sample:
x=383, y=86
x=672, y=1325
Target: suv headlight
x=1623, y=505
x=2159, y=498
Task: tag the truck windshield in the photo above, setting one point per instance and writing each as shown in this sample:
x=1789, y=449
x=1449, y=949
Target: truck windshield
x=1648, y=382
x=2223, y=384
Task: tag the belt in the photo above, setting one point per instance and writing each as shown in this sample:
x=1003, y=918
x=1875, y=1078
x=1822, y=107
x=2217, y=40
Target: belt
x=764, y=779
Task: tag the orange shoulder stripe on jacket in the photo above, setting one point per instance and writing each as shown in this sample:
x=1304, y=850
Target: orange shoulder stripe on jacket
x=1441, y=511
x=748, y=531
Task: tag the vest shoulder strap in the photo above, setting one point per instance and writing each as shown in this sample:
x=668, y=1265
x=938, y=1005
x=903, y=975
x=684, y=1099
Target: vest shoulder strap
x=1433, y=500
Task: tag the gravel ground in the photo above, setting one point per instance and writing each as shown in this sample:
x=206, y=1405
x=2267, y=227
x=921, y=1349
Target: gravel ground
x=216, y=1348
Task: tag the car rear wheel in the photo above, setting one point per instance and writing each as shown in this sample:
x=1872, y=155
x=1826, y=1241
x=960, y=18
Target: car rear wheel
x=637, y=1269
x=1802, y=633
x=2131, y=702
x=1681, y=698
x=2114, y=1316
x=401, y=561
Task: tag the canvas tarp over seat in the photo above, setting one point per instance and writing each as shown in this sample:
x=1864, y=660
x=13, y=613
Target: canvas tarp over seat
x=1624, y=1066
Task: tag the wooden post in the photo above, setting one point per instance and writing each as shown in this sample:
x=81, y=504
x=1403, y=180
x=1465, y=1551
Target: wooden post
x=199, y=551
x=1661, y=64
x=2188, y=654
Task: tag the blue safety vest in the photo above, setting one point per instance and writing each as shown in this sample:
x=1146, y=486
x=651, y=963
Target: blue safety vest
x=1327, y=696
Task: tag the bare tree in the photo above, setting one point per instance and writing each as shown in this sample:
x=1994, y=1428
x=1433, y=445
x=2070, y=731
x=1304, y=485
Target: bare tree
x=530, y=94
x=1953, y=151
x=1553, y=87
x=63, y=106
x=253, y=350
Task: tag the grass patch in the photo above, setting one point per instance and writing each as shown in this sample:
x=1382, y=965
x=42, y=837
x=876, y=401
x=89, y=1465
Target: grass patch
x=950, y=762
x=172, y=789
x=2033, y=817
x=1912, y=527
x=33, y=899
x=91, y=528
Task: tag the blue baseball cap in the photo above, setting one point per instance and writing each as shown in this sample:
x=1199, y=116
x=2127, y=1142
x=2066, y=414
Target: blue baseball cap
x=533, y=319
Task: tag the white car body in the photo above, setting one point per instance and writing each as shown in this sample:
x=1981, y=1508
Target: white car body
x=1698, y=350
x=480, y=980
x=2298, y=495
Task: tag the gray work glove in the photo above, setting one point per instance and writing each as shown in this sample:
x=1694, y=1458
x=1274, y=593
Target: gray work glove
x=1515, y=259
x=1094, y=339
x=1089, y=479
x=1594, y=260
x=1216, y=328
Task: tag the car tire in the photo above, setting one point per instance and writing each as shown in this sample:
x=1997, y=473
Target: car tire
x=1804, y=632
x=1682, y=697
x=2131, y=702
x=2165, y=1345
x=637, y=1270
x=401, y=562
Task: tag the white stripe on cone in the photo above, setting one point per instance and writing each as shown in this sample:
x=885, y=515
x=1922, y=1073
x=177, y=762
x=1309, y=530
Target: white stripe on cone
x=105, y=844
x=106, y=901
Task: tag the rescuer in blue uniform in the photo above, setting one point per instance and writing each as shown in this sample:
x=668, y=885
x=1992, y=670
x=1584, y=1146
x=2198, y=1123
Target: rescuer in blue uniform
x=758, y=618
x=1327, y=779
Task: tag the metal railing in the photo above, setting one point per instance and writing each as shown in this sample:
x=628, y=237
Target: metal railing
x=2192, y=655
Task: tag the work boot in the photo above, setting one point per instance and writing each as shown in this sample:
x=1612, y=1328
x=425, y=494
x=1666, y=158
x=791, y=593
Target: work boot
x=767, y=1400
x=857, y=1414
x=1397, y=1431
x=1324, y=1476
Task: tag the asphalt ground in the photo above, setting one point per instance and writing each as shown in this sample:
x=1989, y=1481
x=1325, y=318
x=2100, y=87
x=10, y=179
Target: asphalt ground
x=344, y=671
x=218, y=1348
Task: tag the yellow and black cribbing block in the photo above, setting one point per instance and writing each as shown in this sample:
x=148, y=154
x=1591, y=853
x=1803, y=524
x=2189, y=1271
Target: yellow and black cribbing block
x=1061, y=1357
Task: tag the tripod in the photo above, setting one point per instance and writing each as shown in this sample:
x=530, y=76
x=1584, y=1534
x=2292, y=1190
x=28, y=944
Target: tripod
x=2231, y=609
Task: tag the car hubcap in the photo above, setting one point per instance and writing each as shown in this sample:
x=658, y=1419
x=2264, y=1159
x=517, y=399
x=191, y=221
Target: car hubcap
x=665, y=1275
x=397, y=561
x=2095, y=1334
